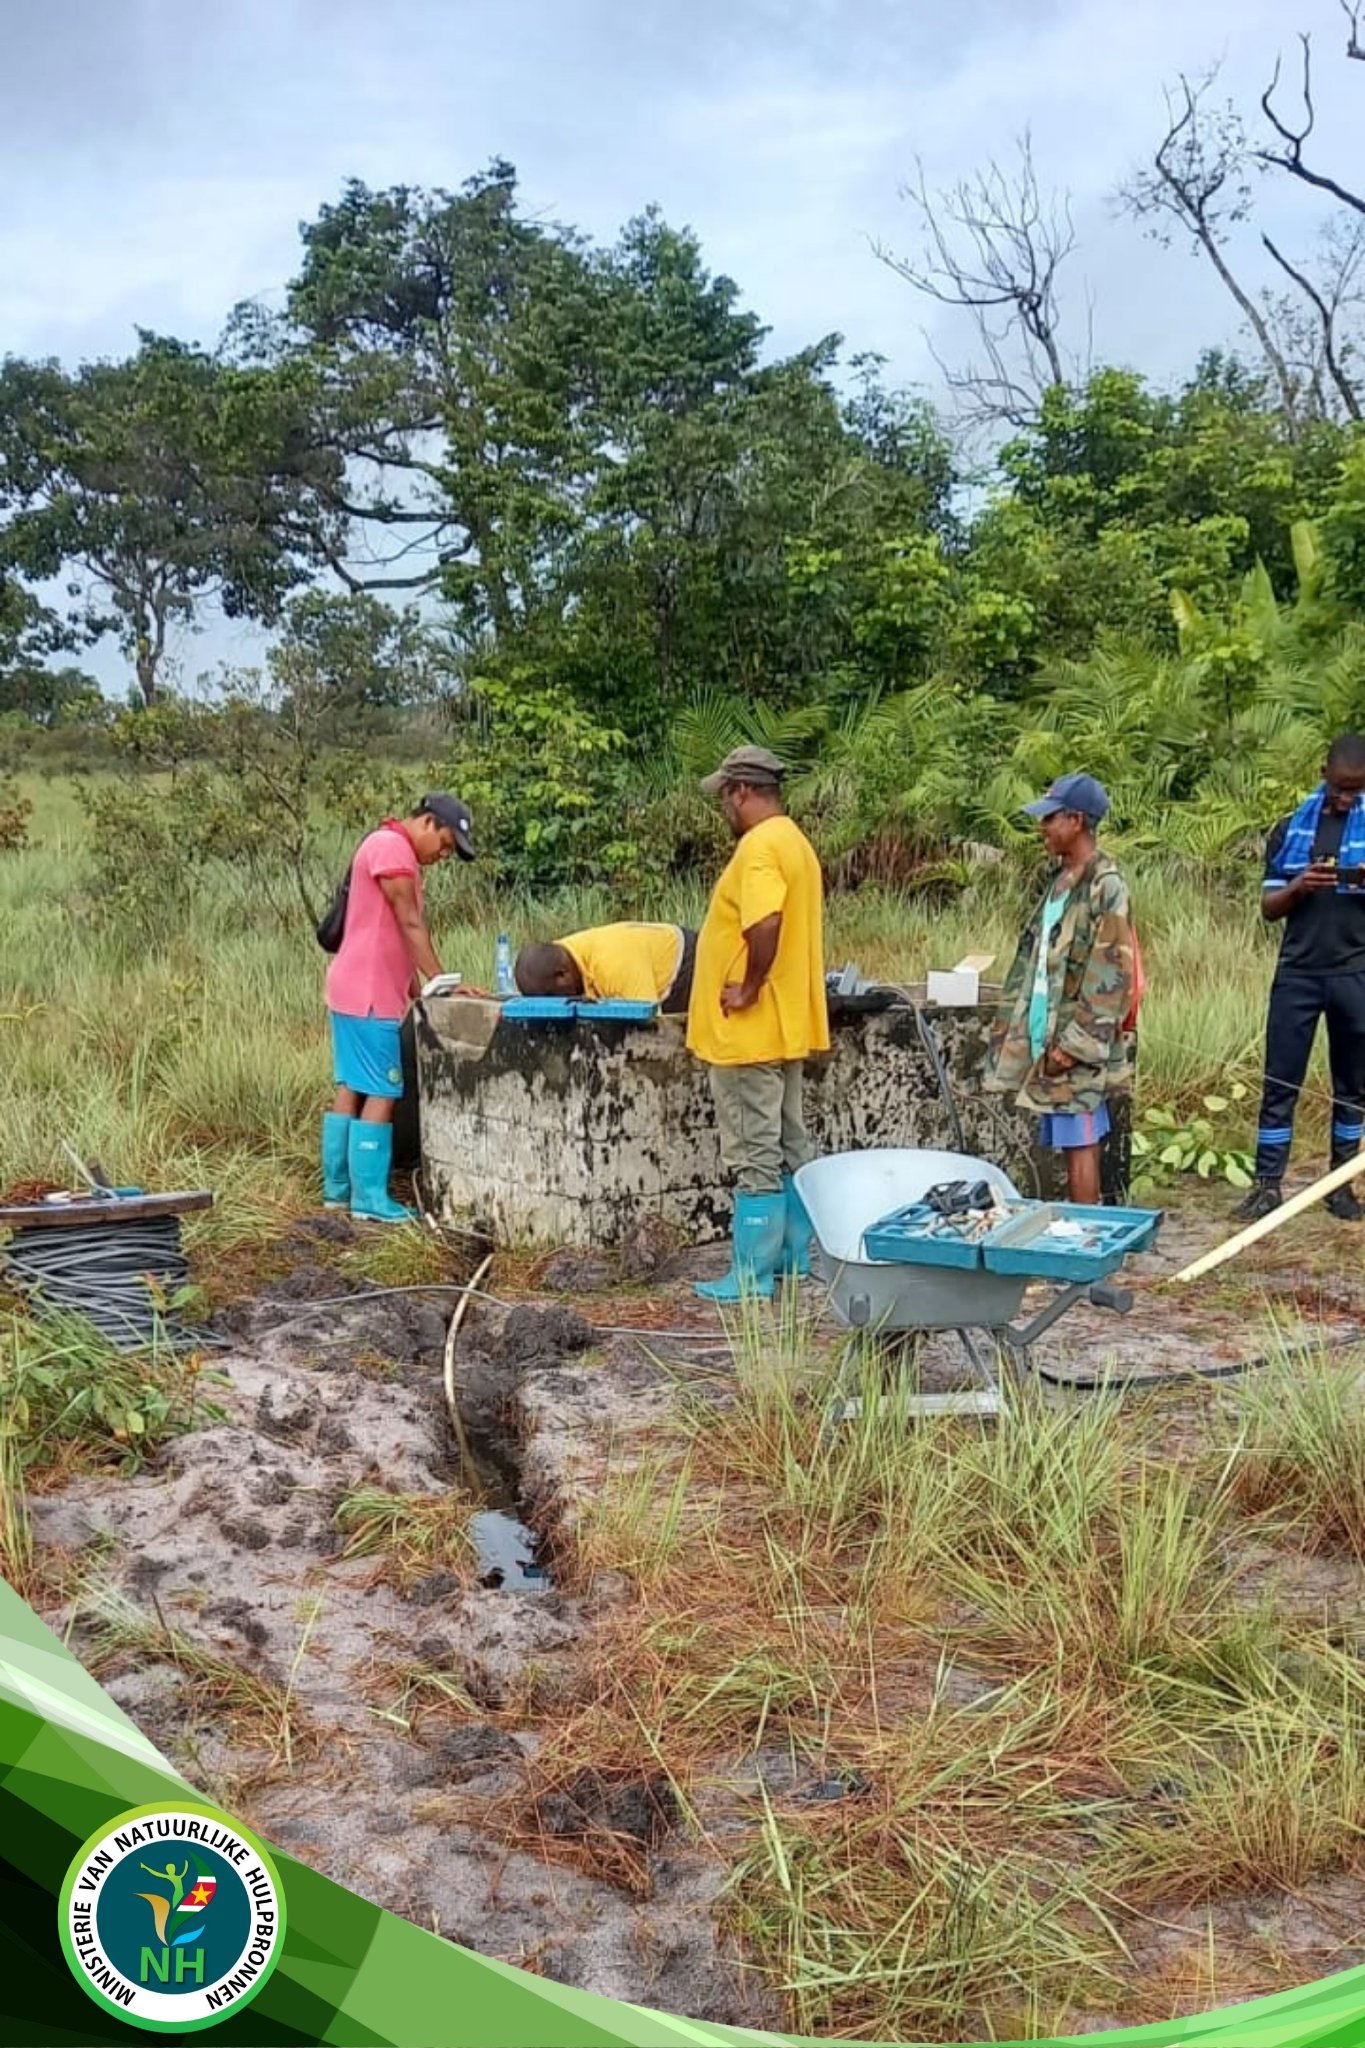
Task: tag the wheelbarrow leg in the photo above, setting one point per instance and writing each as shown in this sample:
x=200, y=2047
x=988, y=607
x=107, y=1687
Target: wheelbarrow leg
x=890, y=1350
x=986, y=1370
x=987, y=1400
x=982, y=1400
x=1018, y=1340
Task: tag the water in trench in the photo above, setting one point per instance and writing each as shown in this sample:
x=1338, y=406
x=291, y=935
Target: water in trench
x=506, y=1549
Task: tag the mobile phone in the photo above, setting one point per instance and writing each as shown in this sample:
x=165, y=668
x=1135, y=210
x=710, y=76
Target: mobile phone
x=1353, y=878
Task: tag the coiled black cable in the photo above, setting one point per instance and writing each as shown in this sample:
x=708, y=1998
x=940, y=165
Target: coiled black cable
x=121, y=1277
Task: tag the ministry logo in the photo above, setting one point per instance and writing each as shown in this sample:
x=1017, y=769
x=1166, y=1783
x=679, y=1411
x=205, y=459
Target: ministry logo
x=172, y=1917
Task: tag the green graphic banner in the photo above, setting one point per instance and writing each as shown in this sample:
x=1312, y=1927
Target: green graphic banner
x=72, y=1766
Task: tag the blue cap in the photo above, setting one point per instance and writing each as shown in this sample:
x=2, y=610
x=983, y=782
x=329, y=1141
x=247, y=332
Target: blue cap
x=1072, y=793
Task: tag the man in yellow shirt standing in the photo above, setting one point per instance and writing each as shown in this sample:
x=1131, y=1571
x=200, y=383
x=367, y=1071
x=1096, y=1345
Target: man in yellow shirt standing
x=757, y=1011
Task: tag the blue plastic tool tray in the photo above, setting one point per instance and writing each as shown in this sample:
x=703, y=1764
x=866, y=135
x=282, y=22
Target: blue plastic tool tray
x=619, y=1009
x=565, y=1009
x=906, y=1238
x=1033, y=1245
x=538, y=1009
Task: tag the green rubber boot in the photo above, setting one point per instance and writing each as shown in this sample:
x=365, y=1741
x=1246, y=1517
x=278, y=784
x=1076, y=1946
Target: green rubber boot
x=336, y=1160
x=756, y=1239
x=797, y=1233
x=371, y=1156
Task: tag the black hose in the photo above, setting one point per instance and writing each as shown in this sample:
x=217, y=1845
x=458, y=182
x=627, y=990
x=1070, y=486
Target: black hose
x=1233, y=1369
x=929, y=1040
x=120, y=1277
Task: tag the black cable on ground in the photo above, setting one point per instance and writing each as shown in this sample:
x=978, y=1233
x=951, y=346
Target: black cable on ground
x=1231, y=1370
x=120, y=1277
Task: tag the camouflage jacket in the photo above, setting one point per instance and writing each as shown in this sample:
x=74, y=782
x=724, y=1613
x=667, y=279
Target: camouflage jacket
x=1090, y=986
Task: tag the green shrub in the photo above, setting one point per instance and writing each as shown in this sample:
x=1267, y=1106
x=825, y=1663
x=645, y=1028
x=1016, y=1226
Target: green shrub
x=16, y=811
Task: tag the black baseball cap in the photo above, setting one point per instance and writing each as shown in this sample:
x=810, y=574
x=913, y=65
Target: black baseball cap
x=452, y=812
x=1072, y=793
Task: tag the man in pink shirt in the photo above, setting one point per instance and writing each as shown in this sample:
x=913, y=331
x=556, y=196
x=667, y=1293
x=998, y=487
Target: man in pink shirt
x=383, y=960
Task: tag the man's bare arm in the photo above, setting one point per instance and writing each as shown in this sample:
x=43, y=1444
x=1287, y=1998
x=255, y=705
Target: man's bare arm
x=761, y=940
x=400, y=893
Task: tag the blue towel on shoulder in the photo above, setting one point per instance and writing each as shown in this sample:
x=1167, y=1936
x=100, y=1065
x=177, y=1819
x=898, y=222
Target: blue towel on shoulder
x=1297, y=851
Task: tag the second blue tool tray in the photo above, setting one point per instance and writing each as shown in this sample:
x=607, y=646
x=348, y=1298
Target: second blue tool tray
x=1068, y=1240
x=1040, y=1240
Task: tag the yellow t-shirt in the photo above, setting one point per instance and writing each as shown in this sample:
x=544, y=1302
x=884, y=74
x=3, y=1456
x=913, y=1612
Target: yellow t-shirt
x=634, y=962
x=773, y=868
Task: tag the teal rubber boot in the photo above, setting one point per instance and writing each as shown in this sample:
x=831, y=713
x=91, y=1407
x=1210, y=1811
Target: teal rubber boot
x=756, y=1240
x=797, y=1233
x=371, y=1156
x=336, y=1160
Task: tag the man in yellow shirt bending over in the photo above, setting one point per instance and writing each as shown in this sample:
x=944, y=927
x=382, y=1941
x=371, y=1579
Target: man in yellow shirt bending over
x=757, y=1010
x=643, y=963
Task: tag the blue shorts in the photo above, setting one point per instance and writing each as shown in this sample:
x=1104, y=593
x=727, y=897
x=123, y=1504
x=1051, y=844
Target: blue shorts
x=367, y=1055
x=1069, y=1133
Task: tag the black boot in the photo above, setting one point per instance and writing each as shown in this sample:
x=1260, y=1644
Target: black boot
x=1260, y=1200
x=1343, y=1202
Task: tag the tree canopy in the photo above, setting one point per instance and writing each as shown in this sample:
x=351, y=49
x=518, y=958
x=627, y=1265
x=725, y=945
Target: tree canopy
x=566, y=495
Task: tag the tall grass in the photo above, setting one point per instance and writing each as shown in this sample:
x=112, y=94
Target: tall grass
x=1000, y=1690
x=16, y=1530
x=203, y=1057
x=1300, y=1460
x=411, y=1534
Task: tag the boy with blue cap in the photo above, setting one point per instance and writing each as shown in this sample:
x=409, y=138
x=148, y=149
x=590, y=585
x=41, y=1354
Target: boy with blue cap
x=1060, y=1041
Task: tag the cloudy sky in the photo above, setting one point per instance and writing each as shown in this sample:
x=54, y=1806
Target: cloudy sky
x=157, y=156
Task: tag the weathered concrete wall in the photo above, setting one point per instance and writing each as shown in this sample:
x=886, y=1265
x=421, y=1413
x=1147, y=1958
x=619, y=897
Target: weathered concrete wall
x=567, y=1133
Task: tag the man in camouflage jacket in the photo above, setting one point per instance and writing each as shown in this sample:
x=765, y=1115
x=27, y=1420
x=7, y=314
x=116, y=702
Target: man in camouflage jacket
x=1059, y=1046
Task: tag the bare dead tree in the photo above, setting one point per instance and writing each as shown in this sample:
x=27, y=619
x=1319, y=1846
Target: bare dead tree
x=1329, y=295
x=1327, y=301
x=1288, y=155
x=993, y=245
x=1197, y=181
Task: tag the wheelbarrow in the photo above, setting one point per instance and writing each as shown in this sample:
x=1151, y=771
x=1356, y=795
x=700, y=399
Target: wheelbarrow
x=892, y=1268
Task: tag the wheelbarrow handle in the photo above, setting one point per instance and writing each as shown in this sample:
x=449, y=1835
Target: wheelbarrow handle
x=1119, y=1299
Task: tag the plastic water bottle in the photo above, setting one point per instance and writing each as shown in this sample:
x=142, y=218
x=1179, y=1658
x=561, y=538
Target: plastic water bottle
x=502, y=967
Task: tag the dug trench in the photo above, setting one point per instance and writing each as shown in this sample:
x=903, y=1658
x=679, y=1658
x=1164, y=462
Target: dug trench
x=378, y=1715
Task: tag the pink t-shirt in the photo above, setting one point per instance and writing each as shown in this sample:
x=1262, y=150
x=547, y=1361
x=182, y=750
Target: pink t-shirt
x=371, y=973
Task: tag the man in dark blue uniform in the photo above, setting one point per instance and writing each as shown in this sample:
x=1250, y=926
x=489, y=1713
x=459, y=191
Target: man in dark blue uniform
x=1315, y=883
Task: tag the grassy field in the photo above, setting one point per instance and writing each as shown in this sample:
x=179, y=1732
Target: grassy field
x=203, y=1059
x=1088, y=1728
x=1085, y=1692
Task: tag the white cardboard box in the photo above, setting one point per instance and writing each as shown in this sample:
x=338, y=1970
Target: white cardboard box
x=959, y=988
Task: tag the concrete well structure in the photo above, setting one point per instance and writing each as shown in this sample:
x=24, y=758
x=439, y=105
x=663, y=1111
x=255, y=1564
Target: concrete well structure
x=569, y=1132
